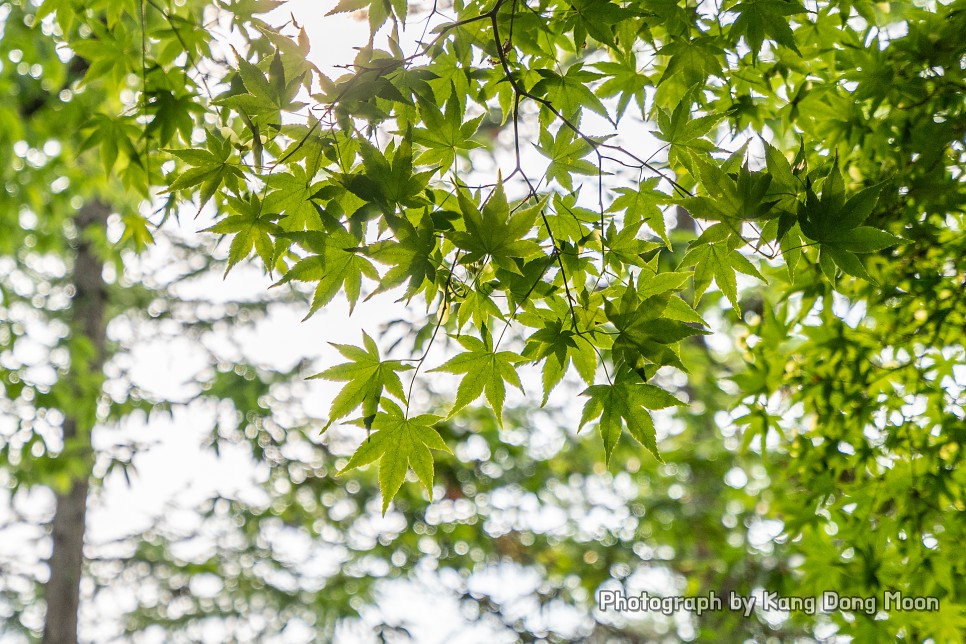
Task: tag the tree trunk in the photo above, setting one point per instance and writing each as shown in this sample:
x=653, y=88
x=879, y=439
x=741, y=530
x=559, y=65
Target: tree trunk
x=62, y=591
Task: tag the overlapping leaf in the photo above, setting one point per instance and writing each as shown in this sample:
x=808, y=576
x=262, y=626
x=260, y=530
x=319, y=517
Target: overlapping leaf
x=366, y=376
x=485, y=371
x=494, y=232
x=625, y=403
x=399, y=443
x=836, y=223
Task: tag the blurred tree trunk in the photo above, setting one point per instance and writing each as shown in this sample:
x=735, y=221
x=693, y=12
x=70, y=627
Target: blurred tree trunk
x=62, y=591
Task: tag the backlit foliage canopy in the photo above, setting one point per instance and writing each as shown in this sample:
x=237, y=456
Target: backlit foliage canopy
x=784, y=130
x=589, y=187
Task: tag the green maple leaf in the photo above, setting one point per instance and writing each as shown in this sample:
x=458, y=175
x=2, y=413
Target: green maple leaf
x=759, y=18
x=258, y=98
x=379, y=11
x=732, y=196
x=678, y=128
x=785, y=188
x=253, y=227
x=873, y=73
x=386, y=181
x=570, y=222
x=486, y=371
x=569, y=93
x=210, y=167
x=650, y=283
x=255, y=80
x=109, y=56
x=599, y=18
x=831, y=217
x=645, y=335
x=112, y=135
x=836, y=223
x=625, y=82
x=641, y=205
x=683, y=133
x=557, y=345
x=290, y=195
x=338, y=266
x=445, y=133
x=715, y=257
x=402, y=185
x=566, y=155
x=626, y=402
x=864, y=239
x=623, y=246
x=494, y=232
x=136, y=231
x=173, y=113
x=692, y=60
x=477, y=306
x=398, y=444
x=412, y=257
x=366, y=375
x=267, y=94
